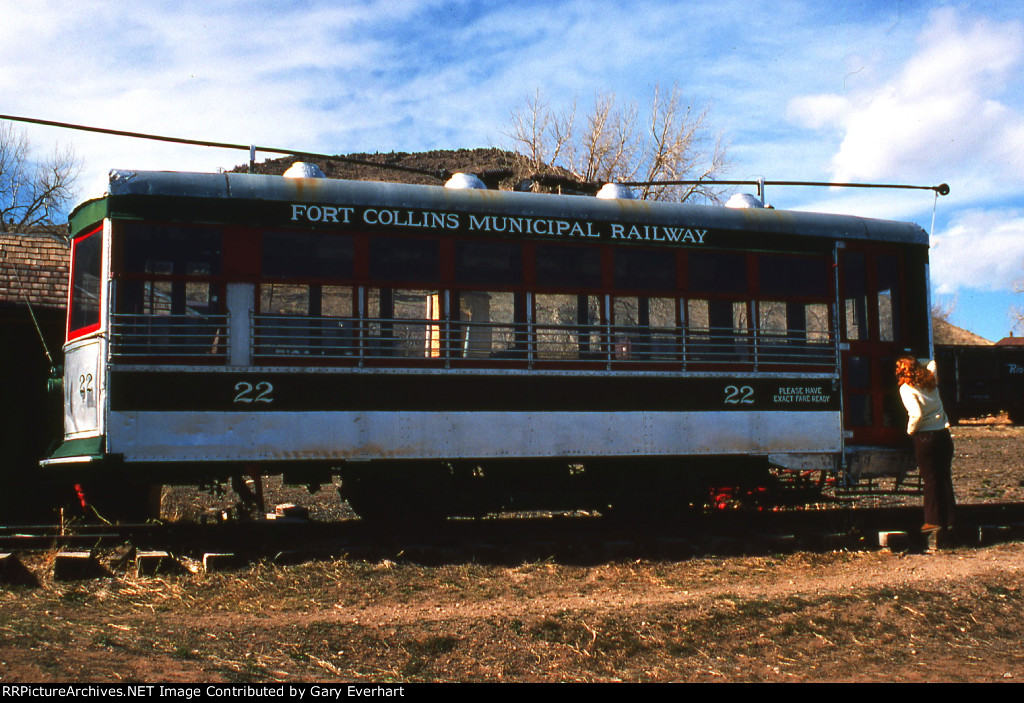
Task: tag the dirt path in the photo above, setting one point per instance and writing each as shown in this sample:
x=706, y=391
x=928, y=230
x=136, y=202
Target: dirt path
x=543, y=590
x=875, y=616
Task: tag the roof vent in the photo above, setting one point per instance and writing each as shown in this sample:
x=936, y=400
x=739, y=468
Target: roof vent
x=465, y=180
x=744, y=200
x=304, y=169
x=615, y=191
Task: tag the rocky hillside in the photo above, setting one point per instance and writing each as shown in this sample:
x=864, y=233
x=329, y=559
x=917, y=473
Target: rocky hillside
x=945, y=333
x=498, y=168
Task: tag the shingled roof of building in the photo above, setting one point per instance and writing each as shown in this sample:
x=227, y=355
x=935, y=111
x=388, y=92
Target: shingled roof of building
x=34, y=266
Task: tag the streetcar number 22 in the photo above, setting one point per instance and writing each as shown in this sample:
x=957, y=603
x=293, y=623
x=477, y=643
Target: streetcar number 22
x=737, y=395
x=249, y=393
x=85, y=385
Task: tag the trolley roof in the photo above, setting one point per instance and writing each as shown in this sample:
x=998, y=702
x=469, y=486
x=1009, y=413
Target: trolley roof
x=238, y=198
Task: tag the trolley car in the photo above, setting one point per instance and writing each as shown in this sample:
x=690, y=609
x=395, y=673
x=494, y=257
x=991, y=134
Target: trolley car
x=461, y=350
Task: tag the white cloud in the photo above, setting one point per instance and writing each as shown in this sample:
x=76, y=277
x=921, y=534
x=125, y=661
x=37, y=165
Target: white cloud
x=950, y=109
x=818, y=111
x=245, y=72
x=980, y=249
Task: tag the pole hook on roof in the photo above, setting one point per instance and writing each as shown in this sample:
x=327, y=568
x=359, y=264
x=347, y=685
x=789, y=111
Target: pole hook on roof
x=760, y=183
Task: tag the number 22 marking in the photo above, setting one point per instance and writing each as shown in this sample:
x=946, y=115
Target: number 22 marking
x=739, y=395
x=262, y=390
x=84, y=385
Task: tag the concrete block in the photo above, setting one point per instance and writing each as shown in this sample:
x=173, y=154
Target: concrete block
x=994, y=534
x=896, y=541
x=156, y=562
x=221, y=561
x=71, y=566
x=13, y=572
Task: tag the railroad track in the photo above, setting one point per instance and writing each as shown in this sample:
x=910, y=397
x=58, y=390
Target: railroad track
x=568, y=538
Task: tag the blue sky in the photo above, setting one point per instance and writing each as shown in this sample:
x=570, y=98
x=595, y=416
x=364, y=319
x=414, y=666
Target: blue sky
x=901, y=92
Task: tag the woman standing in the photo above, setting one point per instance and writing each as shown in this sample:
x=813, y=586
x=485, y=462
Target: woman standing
x=928, y=427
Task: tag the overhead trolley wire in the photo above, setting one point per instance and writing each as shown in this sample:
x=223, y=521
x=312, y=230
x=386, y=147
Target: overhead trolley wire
x=440, y=174
x=251, y=148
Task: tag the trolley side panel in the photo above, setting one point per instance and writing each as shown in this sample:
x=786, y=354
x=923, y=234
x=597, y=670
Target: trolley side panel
x=346, y=435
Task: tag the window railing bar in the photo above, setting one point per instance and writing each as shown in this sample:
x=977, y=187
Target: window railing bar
x=451, y=341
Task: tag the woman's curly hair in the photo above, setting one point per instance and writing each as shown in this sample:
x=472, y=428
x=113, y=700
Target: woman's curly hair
x=910, y=371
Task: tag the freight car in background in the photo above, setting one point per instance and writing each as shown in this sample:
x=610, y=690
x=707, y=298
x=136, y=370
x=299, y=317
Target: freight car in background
x=460, y=350
x=977, y=380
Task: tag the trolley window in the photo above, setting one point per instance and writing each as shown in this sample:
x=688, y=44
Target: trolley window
x=298, y=317
x=171, y=250
x=309, y=256
x=645, y=328
x=305, y=301
x=644, y=270
x=855, y=297
x=405, y=259
x=86, y=272
x=717, y=330
x=169, y=298
x=489, y=263
x=567, y=327
x=303, y=320
x=568, y=266
x=888, y=298
x=403, y=323
x=794, y=277
x=486, y=326
x=717, y=272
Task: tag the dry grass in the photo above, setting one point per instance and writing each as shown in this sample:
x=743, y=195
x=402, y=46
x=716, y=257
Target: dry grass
x=839, y=616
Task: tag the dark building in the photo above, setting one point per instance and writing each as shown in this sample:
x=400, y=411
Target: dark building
x=33, y=271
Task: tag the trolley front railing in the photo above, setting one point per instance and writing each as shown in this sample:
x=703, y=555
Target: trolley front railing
x=189, y=336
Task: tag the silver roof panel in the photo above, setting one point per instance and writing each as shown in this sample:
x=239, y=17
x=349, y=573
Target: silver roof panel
x=251, y=187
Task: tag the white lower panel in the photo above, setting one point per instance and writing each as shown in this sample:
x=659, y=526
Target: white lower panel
x=84, y=388
x=297, y=436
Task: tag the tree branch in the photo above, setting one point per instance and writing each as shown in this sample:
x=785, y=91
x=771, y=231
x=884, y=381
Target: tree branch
x=671, y=145
x=33, y=193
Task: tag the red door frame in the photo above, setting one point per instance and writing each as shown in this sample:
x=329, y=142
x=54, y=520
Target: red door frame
x=879, y=354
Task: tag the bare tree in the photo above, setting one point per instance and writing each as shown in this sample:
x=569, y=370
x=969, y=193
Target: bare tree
x=943, y=329
x=539, y=133
x=1016, y=312
x=33, y=192
x=606, y=147
x=613, y=142
x=942, y=310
